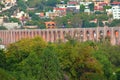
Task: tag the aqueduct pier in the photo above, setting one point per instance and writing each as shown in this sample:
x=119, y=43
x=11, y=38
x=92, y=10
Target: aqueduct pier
x=52, y=35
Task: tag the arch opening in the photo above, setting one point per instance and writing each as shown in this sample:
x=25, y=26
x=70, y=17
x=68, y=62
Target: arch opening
x=81, y=36
x=116, y=33
x=108, y=33
x=101, y=35
x=54, y=36
x=94, y=36
x=88, y=35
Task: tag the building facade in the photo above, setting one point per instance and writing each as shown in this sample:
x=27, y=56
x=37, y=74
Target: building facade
x=116, y=10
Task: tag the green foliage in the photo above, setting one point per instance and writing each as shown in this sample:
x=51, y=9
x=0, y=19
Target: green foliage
x=92, y=24
x=1, y=5
x=114, y=23
x=33, y=3
x=107, y=7
x=20, y=50
x=76, y=21
x=117, y=74
x=40, y=64
x=4, y=75
x=76, y=60
x=85, y=24
x=100, y=23
x=50, y=67
x=3, y=28
x=52, y=2
x=106, y=64
x=91, y=6
x=9, y=12
x=2, y=59
x=82, y=8
x=92, y=76
x=22, y=5
x=62, y=21
x=14, y=20
x=34, y=59
x=102, y=17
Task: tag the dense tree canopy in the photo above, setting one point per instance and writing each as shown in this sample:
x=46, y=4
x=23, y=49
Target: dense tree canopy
x=35, y=59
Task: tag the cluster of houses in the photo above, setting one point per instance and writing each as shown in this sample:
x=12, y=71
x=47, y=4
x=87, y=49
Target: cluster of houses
x=62, y=9
x=74, y=6
x=6, y=4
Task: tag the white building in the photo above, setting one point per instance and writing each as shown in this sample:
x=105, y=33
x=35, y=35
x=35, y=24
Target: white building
x=86, y=4
x=61, y=5
x=116, y=10
x=11, y=26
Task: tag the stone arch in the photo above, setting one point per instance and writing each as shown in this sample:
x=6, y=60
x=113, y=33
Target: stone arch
x=34, y=34
x=101, y=35
x=81, y=36
x=70, y=33
x=50, y=36
x=37, y=33
x=64, y=35
x=16, y=35
x=27, y=34
x=42, y=34
x=30, y=34
x=108, y=33
x=58, y=35
x=94, y=35
x=24, y=34
x=76, y=32
x=116, y=34
x=88, y=35
x=54, y=36
x=46, y=35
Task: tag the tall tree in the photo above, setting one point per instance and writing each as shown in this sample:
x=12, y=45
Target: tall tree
x=50, y=67
x=22, y=5
x=91, y=6
x=82, y=8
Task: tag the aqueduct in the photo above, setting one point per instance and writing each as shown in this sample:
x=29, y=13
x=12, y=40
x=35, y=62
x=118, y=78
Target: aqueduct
x=52, y=35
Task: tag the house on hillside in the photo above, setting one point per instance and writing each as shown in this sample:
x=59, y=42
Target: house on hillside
x=50, y=25
x=73, y=6
x=7, y=4
x=116, y=10
x=51, y=14
x=40, y=14
x=100, y=6
x=60, y=11
x=61, y=5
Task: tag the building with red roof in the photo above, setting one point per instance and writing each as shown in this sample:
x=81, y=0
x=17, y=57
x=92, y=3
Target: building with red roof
x=61, y=11
x=72, y=3
x=100, y=6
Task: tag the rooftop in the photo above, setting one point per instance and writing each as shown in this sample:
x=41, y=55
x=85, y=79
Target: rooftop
x=115, y=3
